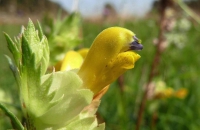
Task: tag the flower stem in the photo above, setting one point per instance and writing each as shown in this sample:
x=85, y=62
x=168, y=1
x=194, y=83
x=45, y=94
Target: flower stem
x=156, y=61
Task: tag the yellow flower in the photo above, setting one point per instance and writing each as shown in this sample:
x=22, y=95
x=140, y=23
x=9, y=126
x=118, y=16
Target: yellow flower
x=181, y=93
x=109, y=56
x=162, y=91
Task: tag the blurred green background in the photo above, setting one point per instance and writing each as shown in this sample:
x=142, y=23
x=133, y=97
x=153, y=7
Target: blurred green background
x=173, y=99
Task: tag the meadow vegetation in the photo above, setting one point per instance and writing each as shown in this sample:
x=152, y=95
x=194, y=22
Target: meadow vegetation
x=172, y=103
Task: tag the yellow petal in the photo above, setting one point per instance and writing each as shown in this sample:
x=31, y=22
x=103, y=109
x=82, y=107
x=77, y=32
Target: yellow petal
x=114, y=69
x=72, y=60
x=125, y=60
x=83, y=52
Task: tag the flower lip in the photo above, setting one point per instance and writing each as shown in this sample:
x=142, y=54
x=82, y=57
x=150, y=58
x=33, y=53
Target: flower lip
x=136, y=44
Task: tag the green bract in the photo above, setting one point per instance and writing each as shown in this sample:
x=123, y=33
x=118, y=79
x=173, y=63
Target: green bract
x=64, y=36
x=48, y=101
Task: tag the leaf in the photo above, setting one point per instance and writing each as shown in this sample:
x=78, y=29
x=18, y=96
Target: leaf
x=13, y=69
x=68, y=101
x=86, y=120
x=26, y=51
x=40, y=30
x=89, y=123
x=64, y=36
x=13, y=49
x=15, y=121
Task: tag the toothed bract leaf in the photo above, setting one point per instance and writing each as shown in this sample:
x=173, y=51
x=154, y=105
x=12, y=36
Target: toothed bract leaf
x=38, y=45
x=67, y=102
x=51, y=101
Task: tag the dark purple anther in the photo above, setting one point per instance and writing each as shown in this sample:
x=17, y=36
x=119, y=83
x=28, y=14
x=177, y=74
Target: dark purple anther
x=136, y=45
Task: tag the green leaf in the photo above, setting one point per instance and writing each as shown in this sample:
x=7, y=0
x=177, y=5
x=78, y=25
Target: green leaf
x=44, y=61
x=32, y=57
x=86, y=120
x=31, y=34
x=15, y=121
x=65, y=36
x=13, y=49
x=40, y=30
x=68, y=101
x=89, y=123
x=26, y=51
x=13, y=69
